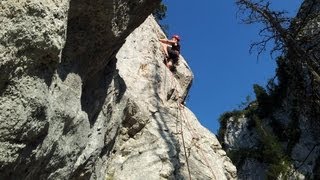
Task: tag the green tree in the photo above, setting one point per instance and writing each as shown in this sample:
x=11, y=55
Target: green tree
x=161, y=12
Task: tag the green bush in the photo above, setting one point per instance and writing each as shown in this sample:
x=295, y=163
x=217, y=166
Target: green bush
x=161, y=12
x=281, y=168
x=264, y=101
x=238, y=156
x=272, y=152
x=293, y=129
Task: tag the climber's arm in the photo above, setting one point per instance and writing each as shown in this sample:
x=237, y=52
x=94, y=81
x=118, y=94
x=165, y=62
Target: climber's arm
x=163, y=40
x=167, y=41
x=171, y=42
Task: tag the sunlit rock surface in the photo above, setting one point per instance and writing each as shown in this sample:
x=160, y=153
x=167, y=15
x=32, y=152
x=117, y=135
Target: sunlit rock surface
x=72, y=106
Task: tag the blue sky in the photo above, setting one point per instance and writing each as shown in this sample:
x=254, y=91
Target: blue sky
x=216, y=46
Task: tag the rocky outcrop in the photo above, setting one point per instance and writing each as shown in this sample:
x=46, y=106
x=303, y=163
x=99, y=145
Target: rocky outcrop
x=50, y=53
x=73, y=105
x=150, y=140
x=278, y=135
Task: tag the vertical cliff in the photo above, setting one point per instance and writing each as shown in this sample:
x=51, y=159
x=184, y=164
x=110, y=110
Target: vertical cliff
x=150, y=141
x=85, y=95
x=277, y=136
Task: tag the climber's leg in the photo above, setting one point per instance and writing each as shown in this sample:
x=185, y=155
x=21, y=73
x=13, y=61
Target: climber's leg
x=169, y=64
x=165, y=49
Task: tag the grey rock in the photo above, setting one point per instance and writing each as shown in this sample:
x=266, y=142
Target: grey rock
x=55, y=58
x=252, y=170
x=79, y=99
x=150, y=144
x=239, y=135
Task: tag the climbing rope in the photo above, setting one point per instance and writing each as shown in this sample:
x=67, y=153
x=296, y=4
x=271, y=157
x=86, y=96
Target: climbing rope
x=197, y=137
x=193, y=134
x=184, y=146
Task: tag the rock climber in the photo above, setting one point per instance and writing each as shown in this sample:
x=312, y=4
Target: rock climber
x=171, y=49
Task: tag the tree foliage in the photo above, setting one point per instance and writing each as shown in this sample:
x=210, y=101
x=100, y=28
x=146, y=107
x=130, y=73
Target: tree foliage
x=275, y=23
x=276, y=28
x=161, y=12
x=297, y=39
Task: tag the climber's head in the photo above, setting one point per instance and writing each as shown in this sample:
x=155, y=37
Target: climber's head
x=176, y=37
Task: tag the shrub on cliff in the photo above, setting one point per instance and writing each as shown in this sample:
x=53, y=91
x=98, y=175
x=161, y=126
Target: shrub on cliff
x=161, y=12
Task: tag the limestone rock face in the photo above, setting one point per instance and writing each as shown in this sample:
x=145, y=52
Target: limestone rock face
x=239, y=135
x=54, y=81
x=74, y=106
x=244, y=141
x=150, y=140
